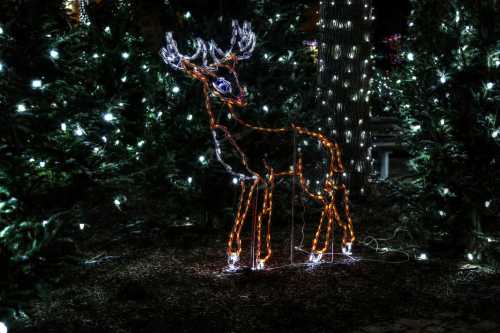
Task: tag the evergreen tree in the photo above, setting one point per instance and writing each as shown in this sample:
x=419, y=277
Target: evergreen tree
x=448, y=97
x=93, y=118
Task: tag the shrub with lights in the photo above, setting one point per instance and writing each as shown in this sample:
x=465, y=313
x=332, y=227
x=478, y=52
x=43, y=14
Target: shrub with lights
x=447, y=94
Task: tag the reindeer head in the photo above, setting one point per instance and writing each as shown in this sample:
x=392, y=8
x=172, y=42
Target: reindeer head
x=220, y=76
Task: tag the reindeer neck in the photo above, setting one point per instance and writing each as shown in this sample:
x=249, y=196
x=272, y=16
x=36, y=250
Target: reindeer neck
x=208, y=107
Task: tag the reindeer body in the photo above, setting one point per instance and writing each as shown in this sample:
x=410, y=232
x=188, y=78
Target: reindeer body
x=220, y=80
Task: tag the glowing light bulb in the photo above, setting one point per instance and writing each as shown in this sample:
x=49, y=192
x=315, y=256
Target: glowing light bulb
x=3, y=327
x=489, y=85
x=415, y=128
x=265, y=108
x=487, y=204
x=441, y=213
x=1, y=67
x=189, y=117
x=54, y=54
x=21, y=108
x=36, y=84
x=190, y=180
x=44, y=222
x=176, y=89
x=124, y=79
x=109, y=117
x=411, y=56
x=107, y=30
x=232, y=260
x=470, y=256
x=235, y=180
x=442, y=122
x=442, y=77
x=125, y=55
x=1, y=33
x=79, y=131
x=347, y=249
x=42, y=164
x=315, y=258
x=422, y=256
x=81, y=226
x=494, y=134
x=201, y=158
x=140, y=143
x=187, y=15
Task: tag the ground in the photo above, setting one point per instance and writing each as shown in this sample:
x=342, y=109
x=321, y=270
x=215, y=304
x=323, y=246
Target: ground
x=173, y=281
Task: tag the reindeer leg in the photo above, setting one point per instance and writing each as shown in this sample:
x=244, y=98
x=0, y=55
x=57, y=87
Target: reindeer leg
x=232, y=257
x=330, y=209
x=349, y=236
x=234, y=236
x=269, y=212
x=315, y=256
x=265, y=202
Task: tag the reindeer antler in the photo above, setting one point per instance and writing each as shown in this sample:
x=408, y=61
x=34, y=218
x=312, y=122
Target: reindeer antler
x=243, y=36
x=246, y=43
x=171, y=55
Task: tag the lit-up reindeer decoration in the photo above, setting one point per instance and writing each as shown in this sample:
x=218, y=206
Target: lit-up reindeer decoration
x=220, y=80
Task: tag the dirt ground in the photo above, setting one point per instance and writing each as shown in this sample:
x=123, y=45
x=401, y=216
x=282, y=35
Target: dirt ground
x=175, y=282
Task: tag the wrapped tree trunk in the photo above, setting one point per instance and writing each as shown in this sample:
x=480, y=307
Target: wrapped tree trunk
x=344, y=82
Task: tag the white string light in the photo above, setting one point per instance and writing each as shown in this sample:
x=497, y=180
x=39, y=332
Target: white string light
x=21, y=107
x=54, y=54
x=36, y=84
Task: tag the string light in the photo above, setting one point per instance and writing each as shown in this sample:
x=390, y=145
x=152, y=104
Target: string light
x=79, y=131
x=235, y=97
x=109, y=117
x=125, y=55
x=3, y=327
x=176, y=89
x=190, y=180
x=81, y=226
x=189, y=117
x=442, y=77
x=415, y=128
x=54, y=54
x=422, y=256
x=36, y=84
x=21, y=107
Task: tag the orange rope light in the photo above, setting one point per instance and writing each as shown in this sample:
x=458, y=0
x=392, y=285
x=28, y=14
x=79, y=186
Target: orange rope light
x=209, y=76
